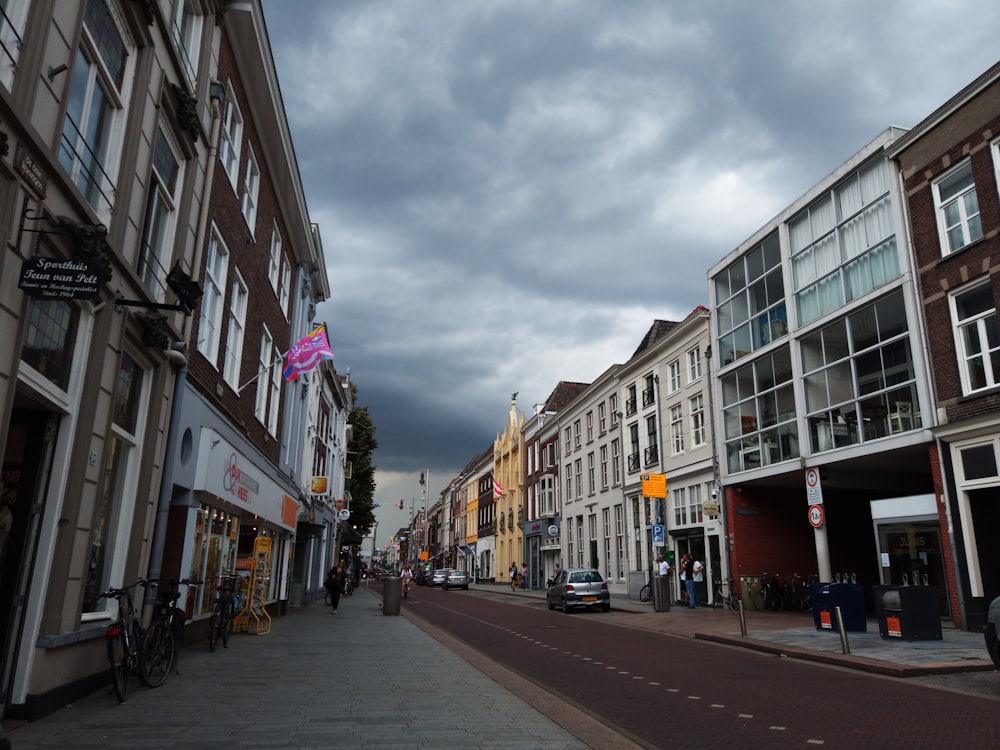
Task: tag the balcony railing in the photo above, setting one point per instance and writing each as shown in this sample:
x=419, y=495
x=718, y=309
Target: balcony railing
x=633, y=462
x=648, y=397
x=652, y=455
x=629, y=407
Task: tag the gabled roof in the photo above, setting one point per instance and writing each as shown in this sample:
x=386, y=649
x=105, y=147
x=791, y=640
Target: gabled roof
x=562, y=394
x=657, y=331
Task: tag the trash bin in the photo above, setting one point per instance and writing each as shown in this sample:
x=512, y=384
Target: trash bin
x=661, y=593
x=392, y=595
x=850, y=597
x=909, y=613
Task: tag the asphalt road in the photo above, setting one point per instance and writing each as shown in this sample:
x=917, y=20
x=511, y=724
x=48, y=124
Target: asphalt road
x=667, y=691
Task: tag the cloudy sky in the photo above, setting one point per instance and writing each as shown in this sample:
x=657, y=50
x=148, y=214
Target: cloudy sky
x=510, y=192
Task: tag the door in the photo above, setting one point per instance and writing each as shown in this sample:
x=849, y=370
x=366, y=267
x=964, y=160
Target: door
x=914, y=551
x=23, y=480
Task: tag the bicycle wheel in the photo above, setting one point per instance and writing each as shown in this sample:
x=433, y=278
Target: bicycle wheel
x=157, y=654
x=213, y=627
x=733, y=601
x=118, y=657
x=646, y=593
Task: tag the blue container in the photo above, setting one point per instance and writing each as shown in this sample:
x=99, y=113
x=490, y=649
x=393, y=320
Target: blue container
x=850, y=597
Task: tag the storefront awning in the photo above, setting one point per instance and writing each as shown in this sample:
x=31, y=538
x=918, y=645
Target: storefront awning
x=350, y=536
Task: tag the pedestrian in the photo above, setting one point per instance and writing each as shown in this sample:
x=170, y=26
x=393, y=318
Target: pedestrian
x=664, y=568
x=334, y=583
x=513, y=577
x=695, y=581
x=524, y=577
x=682, y=574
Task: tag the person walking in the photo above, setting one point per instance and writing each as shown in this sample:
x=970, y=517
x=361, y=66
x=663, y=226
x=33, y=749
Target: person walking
x=524, y=576
x=513, y=577
x=698, y=572
x=683, y=575
x=334, y=583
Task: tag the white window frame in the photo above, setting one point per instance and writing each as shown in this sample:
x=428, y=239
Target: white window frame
x=275, y=258
x=968, y=224
x=236, y=333
x=677, y=428
x=231, y=136
x=675, y=375
x=185, y=31
x=694, y=364
x=981, y=322
x=213, y=298
x=285, y=286
x=11, y=39
x=160, y=220
x=263, y=379
x=251, y=191
x=96, y=180
x=697, y=407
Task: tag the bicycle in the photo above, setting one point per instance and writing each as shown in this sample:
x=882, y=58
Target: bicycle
x=725, y=597
x=772, y=593
x=646, y=592
x=223, y=612
x=159, y=644
x=124, y=640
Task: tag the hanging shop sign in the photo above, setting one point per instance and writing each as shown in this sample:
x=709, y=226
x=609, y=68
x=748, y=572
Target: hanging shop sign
x=55, y=278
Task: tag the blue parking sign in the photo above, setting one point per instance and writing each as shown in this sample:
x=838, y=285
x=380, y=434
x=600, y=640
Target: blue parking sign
x=657, y=534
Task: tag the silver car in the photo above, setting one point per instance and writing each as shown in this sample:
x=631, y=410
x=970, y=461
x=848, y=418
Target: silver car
x=437, y=577
x=578, y=587
x=456, y=579
x=992, y=631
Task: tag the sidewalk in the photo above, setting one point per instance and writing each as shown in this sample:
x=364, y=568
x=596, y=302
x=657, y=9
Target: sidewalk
x=795, y=634
x=357, y=679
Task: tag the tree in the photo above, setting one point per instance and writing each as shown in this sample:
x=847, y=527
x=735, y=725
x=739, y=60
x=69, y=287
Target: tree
x=362, y=483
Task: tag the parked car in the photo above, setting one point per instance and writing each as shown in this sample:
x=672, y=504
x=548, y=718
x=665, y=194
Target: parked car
x=420, y=576
x=437, y=577
x=456, y=579
x=578, y=587
x=992, y=631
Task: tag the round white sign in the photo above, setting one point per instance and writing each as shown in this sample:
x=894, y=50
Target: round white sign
x=553, y=530
x=343, y=515
x=816, y=516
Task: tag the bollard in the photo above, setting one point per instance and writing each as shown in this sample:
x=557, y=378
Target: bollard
x=843, y=632
x=743, y=620
x=392, y=594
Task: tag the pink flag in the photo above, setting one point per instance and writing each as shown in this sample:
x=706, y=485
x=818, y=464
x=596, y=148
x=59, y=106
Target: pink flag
x=307, y=353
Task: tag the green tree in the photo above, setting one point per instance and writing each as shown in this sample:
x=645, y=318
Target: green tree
x=362, y=483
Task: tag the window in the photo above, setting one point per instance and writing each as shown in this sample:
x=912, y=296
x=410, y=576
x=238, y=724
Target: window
x=591, y=473
x=274, y=393
x=576, y=434
x=50, y=339
x=606, y=524
x=978, y=339
x=578, y=475
x=235, y=335
x=750, y=301
x=604, y=467
x=16, y=12
x=590, y=426
x=616, y=460
x=680, y=506
x=251, y=189
x=843, y=245
x=649, y=391
x=652, y=442
x=119, y=480
x=210, y=325
x=97, y=98
x=697, y=406
x=155, y=250
x=675, y=376
x=602, y=418
x=677, y=428
x=186, y=32
x=859, y=378
x=694, y=364
x=569, y=483
x=547, y=490
x=630, y=400
x=264, y=368
x=694, y=503
x=957, y=209
x=613, y=407
x=620, y=538
x=284, y=290
x=231, y=137
x=275, y=258
x=633, y=454
x=758, y=412
x=568, y=440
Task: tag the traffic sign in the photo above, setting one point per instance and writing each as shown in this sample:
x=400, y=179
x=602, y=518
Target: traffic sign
x=814, y=490
x=657, y=529
x=816, y=516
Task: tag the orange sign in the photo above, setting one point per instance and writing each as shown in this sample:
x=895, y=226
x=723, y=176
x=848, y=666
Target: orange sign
x=319, y=486
x=654, y=485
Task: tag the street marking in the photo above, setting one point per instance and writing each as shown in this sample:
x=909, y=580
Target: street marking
x=815, y=742
x=694, y=697
x=655, y=684
x=745, y=716
x=673, y=690
x=718, y=705
x=636, y=677
x=777, y=728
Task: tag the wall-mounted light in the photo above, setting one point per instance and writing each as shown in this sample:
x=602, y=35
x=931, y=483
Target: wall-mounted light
x=55, y=70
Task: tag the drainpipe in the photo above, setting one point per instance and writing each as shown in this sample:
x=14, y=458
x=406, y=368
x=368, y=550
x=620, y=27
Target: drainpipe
x=717, y=487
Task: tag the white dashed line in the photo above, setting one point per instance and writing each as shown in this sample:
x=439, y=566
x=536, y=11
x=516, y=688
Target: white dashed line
x=694, y=697
x=777, y=728
x=718, y=705
x=655, y=684
x=745, y=716
x=815, y=742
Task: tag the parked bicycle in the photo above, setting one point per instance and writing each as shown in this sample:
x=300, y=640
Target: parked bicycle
x=774, y=599
x=124, y=639
x=646, y=592
x=725, y=596
x=159, y=644
x=796, y=594
x=223, y=612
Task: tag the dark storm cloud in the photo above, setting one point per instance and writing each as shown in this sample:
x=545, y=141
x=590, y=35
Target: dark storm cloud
x=510, y=192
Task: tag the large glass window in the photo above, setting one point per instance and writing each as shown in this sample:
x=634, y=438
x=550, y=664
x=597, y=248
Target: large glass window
x=843, y=245
x=210, y=324
x=185, y=30
x=111, y=528
x=214, y=552
x=697, y=405
x=12, y=24
x=977, y=336
x=50, y=339
x=677, y=428
x=235, y=334
x=97, y=96
x=155, y=250
x=759, y=413
x=251, y=191
x=750, y=299
x=958, y=209
x=264, y=367
x=859, y=377
x=231, y=137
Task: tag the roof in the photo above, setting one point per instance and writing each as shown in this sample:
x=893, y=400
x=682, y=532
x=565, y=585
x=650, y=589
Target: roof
x=562, y=394
x=657, y=331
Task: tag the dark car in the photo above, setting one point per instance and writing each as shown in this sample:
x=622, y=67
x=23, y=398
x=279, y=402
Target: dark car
x=992, y=631
x=578, y=587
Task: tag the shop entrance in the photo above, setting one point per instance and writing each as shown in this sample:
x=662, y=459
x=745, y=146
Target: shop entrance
x=914, y=552
x=23, y=483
